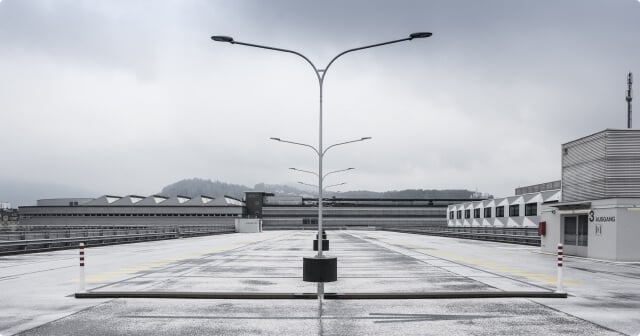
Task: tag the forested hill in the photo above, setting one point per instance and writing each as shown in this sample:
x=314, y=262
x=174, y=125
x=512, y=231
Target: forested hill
x=416, y=193
x=196, y=187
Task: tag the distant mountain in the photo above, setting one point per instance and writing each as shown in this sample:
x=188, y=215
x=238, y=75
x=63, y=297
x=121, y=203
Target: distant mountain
x=196, y=187
x=416, y=193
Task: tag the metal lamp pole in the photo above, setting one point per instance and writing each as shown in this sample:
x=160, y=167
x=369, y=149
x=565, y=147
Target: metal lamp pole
x=320, y=74
x=319, y=175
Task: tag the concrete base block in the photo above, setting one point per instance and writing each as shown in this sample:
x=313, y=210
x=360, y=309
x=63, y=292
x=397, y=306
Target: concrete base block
x=320, y=269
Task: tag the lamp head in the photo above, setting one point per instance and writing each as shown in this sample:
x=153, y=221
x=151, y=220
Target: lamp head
x=420, y=35
x=276, y=139
x=366, y=138
x=222, y=38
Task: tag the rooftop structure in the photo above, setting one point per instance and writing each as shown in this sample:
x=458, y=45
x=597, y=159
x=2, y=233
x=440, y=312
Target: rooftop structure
x=602, y=165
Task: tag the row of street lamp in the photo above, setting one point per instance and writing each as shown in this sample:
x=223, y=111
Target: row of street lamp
x=320, y=150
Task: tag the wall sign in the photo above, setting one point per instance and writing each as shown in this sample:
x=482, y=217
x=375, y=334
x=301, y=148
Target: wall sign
x=600, y=219
x=598, y=229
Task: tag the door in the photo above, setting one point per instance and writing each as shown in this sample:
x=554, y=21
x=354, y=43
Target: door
x=575, y=234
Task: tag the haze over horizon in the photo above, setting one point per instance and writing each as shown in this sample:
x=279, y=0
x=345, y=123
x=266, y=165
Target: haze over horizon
x=125, y=97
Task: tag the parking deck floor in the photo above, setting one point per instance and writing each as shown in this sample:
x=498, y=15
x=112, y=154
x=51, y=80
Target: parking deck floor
x=604, y=297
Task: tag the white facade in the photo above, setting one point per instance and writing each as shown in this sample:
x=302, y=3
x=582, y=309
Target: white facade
x=248, y=225
x=513, y=211
x=602, y=229
x=599, y=216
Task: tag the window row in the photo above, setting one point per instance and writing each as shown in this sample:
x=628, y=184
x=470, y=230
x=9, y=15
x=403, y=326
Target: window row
x=530, y=209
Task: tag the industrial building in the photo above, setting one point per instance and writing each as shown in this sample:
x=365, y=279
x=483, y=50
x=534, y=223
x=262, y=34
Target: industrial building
x=133, y=211
x=287, y=212
x=599, y=213
x=520, y=211
x=274, y=212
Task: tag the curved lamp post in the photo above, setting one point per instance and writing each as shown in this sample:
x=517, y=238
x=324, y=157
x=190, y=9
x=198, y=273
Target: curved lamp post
x=327, y=187
x=323, y=177
x=320, y=74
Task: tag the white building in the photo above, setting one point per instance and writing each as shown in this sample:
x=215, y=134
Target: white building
x=519, y=211
x=599, y=216
x=602, y=229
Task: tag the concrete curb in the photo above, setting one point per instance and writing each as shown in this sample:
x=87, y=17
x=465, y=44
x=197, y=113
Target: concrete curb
x=313, y=296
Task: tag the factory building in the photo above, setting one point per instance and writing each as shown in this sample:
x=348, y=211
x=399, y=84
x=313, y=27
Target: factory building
x=133, y=211
x=344, y=213
x=522, y=210
x=273, y=212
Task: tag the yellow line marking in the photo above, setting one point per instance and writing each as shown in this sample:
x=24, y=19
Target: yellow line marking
x=107, y=276
x=547, y=279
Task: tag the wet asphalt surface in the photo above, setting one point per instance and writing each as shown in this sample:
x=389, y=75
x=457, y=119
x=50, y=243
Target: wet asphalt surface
x=366, y=263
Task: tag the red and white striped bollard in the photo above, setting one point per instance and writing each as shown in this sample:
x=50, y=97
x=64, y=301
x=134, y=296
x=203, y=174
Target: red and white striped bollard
x=81, y=282
x=559, y=285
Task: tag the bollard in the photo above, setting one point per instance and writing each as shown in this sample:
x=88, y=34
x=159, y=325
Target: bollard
x=81, y=287
x=559, y=285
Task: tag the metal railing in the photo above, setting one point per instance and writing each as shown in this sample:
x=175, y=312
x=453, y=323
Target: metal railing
x=48, y=238
x=523, y=236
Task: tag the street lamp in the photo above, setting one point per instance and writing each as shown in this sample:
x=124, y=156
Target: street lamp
x=327, y=187
x=325, y=175
x=320, y=74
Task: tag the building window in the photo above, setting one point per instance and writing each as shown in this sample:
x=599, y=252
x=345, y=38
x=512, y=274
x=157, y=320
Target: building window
x=476, y=213
x=487, y=212
x=576, y=230
x=514, y=210
x=459, y=214
x=500, y=211
x=309, y=221
x=451, y=214
x=531, y=209
x=467, y=213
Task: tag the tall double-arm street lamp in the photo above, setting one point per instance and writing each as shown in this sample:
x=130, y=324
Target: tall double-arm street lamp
x=320, y=74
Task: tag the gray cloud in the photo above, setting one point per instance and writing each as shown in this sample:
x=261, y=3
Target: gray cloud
x=127, y=96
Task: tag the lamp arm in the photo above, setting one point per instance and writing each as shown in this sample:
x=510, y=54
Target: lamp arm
x=360, y=48
x=297, y=143
x=338, y=144
x=315, y=69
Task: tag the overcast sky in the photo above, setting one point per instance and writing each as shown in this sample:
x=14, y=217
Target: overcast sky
x=125, y=97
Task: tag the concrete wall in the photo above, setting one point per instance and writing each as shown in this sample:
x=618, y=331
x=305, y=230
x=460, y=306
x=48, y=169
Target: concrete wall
x=248, y=225
x=628, y=248
x=602, y=244
x=613, y=229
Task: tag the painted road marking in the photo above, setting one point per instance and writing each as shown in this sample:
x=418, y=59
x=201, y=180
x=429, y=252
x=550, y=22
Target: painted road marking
x=496, y=267
x=483, y=264
x=130, y=270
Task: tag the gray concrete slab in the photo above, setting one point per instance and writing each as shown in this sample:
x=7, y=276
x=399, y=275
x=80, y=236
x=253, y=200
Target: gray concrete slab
x=603, y=297
x=303, y=317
